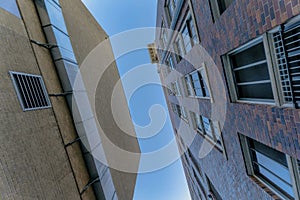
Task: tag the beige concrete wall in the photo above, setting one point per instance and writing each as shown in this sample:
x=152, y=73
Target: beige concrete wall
x=86, y=34
x=61, y=111
x=33, y=161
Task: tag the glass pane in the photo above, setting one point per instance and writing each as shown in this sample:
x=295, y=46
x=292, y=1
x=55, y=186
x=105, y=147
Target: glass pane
x=256, y=91
x=188, y=85
x=274, y=167
x=10, y=6
x=198, y=122
x=204, y=83
x=196, y=84
x=256, y=73
x=178, y=108
x=222, y=6
x=248, y=56
x=216, y=130
x=195, y=76
x=183, y=112
x=192, y=30
x=277, y=156
x=62, y=39
x=186, y=39
x=207, y=126
x=177, y=88
x=171, y=62
x=170, y=9
x=279, y=183
x=64, y=44
x=55, y=15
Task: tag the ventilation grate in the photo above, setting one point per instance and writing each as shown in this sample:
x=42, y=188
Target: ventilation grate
x=31, y=91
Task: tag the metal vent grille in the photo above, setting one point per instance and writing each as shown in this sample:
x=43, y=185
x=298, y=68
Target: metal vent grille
x=287, y=53
x=31, y=91
x=283, y=68
x=291, y=38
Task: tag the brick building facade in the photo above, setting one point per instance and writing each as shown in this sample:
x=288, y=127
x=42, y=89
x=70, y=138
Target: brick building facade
x=232, y=77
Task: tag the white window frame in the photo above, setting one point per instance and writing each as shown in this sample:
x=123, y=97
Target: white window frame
x=163, y=37
x=186, y=25
x=190, y=87
x=180, y=113
x=170, y=63
x=214, y=137
x=175, y=88
x=178, y=49
x=230, y=74
x=173, y=4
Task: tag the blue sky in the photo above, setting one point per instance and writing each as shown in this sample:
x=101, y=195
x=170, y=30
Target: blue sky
x=116, y=17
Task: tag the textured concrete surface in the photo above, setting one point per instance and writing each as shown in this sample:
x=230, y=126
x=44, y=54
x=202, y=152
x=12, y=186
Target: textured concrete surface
x=84, y=41
x=33, y=161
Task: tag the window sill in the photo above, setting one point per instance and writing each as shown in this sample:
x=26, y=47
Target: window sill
x=185, y=120
x=197, y=97
x=264, y=186
x=256, y=102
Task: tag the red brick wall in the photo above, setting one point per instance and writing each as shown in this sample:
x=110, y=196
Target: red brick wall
x=274, y=126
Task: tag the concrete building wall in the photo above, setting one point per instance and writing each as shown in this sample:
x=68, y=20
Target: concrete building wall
x=273, y=126
x=61, y=111
x=84, y=40
x=34, y=163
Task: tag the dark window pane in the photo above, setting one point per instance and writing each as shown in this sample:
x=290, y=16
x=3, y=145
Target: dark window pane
x=259, y=91
x=271, y=165
x=269, y=152
x=222, y=6
x=256, y=73
x=251, y=55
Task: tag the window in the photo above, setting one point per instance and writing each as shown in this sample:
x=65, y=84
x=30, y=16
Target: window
x=186, y=39
x=169, y=63
x=163, y=36
x=208, y=128
x=199, y=184
x=179, y=110
x=189, y=36
x=11, y=6
x=171, y=6
x=213, y=193
x=218, y=7
x=178, y=49
x=196, y=84
x=192, y=30
x=275, y=169
x=55, y=15
x=170, y=92
x=251, y=73
x=30, y=90
x=254, y=77
x=287, y=55
x=175, y=88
